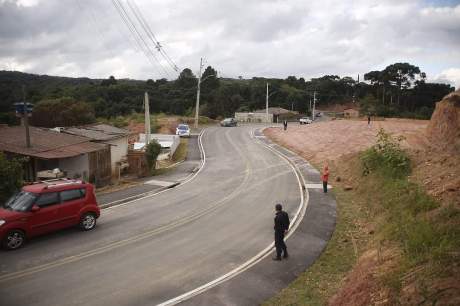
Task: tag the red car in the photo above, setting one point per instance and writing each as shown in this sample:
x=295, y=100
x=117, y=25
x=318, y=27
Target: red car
x=45, y=207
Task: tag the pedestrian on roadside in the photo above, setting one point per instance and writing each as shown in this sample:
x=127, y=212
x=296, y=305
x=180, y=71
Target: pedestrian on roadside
x=285, y=124
x=325, y=177
x=281, y=228
x=368, y=120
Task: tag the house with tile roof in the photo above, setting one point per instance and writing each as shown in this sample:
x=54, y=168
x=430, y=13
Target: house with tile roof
x=74, y=156
x=116, y=138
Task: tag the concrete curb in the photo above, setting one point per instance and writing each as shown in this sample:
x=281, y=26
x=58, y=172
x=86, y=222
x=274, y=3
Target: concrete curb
x=137, y=197
x=161, y=189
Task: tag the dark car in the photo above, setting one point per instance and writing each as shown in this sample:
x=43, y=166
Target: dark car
x=45, y=207
x=228, y=122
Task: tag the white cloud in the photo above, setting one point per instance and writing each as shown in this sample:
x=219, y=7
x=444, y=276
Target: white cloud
x=451, y=76
x=241, y=37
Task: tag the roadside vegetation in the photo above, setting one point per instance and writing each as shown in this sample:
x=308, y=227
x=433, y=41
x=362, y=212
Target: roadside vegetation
x=10, y=176
x=393, y=244
x=399, y=90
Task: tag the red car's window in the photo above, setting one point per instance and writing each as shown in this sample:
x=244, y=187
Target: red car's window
x=72, y=194
x=47, y=199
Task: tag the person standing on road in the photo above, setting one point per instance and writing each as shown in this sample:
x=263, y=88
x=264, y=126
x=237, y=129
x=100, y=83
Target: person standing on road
x=281, y=228
x=368, y=120
x=285, y=124
x=325, y=177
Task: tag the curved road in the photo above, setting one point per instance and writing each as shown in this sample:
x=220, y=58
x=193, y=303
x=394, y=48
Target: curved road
x=156, y=248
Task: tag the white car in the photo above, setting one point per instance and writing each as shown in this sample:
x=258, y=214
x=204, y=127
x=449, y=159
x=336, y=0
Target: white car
x=305, y=120
x=183, y=130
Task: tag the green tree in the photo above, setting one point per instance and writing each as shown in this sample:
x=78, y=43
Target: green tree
x=368, y=105
x=210, y=80
x=151, y=154
x=10, y=176
x=186, y=79
x=62, y=112
x=110, y=81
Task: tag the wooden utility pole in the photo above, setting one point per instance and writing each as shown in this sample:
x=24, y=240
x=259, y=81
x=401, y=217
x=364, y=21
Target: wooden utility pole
x=25, y=116
x=147, y=119
x=266, y=105
x=197, y=106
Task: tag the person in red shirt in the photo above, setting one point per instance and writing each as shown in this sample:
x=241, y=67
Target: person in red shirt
x=325, y=177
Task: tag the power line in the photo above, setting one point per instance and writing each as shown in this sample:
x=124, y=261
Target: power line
x=136, y=35
x=147, y=49
x=140, y=18
x=96, y=25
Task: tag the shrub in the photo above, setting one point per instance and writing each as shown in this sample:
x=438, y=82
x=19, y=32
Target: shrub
x=386, y=156
x=10, y=176
x=151, y=153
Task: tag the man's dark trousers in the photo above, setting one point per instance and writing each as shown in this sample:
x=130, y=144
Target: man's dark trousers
x=279, y=244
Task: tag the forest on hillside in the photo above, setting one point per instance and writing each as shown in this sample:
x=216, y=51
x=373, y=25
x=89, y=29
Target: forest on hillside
x=399, y=90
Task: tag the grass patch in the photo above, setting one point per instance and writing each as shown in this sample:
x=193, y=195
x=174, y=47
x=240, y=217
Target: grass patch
x=181, y=151
x=324, y=277
x=179, y=155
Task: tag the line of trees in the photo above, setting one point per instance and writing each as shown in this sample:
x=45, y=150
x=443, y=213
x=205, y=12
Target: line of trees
x=399, y=90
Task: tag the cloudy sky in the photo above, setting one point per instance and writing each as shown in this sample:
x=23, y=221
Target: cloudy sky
x=247, y=38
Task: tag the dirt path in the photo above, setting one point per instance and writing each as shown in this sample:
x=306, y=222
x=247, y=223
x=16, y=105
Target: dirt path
x=329, y=140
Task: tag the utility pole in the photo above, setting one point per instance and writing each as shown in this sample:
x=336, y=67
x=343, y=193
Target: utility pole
x=314, y=105
x=25, y=115
x=197, y=106
x=147, y=119
x=310, y=106
x=266, y=104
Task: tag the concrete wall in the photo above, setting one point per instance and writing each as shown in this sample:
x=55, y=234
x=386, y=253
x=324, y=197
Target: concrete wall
x=118, y=150
x=75, y=166
x=351, y=113
x=254, y=117
x=165, y=140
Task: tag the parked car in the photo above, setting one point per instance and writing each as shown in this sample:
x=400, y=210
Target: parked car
x=45, y=207
x=183, y=130
x=318, y=114
x=305, y=120
x=228, y=122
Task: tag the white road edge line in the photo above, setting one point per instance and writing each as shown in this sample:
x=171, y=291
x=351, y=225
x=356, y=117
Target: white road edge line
x=261, y=255
x=188, y=179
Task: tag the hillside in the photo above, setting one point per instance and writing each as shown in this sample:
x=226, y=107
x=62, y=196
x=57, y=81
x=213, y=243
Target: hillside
x=397, y=239
x=38, y=86
x=219, y=97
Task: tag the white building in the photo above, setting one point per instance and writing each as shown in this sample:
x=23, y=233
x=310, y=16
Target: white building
x=168, y=143
x=115, y=137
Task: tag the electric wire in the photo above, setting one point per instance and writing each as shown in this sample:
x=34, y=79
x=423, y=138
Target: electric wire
x=135, y=31
x=140, y=18
x=137, y=36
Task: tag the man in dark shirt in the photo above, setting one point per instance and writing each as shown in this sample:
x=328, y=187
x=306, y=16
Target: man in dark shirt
x=281, y=227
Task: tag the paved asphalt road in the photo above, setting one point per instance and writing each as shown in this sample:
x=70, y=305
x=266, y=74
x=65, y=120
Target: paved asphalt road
x=154, y=249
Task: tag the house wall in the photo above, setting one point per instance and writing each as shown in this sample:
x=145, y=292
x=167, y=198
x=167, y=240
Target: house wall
x=351, y=113
x=254, y=117
x=75, y=167
x=100, y=167
x=118, y=150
